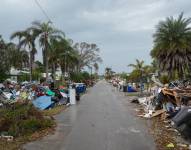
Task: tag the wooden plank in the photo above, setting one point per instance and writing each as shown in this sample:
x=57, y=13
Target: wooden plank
x=158, y=112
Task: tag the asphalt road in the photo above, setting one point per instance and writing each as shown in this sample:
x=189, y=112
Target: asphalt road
x=101, y=121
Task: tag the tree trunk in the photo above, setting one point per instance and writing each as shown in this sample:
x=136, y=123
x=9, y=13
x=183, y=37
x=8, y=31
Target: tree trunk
x=53, y=71
x=46, y=67
x=43, y=57
x=46, y=56
x=30, y=66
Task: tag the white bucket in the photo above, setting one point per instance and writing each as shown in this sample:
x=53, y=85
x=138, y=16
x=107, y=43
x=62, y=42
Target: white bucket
x=72, y=94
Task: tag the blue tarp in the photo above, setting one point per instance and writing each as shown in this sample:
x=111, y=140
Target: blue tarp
x=131, y=89
x=43, y=102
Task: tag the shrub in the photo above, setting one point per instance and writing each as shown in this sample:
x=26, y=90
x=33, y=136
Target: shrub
x=22, y=119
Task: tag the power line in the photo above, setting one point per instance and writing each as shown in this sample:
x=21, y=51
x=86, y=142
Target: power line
x=43, y=11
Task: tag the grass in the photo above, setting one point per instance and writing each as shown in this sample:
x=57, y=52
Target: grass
x=54, y=111
x=132, y=94
x=137, y=94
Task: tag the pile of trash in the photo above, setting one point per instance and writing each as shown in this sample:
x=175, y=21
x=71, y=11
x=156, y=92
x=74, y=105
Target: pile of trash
x=42, y=96
x=171, y=102
x=123, y=86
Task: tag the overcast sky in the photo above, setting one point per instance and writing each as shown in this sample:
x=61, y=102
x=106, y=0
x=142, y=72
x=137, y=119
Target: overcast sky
x=121, y=28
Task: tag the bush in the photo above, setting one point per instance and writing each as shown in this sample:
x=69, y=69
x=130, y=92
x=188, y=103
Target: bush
x=80, y=76
x=164, y=79
x=22, y=119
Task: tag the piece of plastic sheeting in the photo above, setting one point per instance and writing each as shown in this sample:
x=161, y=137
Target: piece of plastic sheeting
x=42, y=102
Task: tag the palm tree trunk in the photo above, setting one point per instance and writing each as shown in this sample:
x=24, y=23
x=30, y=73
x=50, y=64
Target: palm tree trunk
x=46, y=56
x=46, y=67
x=53, y=71
x=30, y=66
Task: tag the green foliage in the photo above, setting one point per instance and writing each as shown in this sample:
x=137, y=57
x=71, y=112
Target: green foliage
x=164, y=79
x=80, y=76
x=134, y=76
x=36, y=74
x=22, y=119
x=45, y=33
x=172, y=48
x=23, y=77
x=85, y=75
x=11, y=56
x=57, y=52
x=39, y=67
x=108, y=73
x=88, y=55
x=4, y=59
x=123, y=75
x=141, y=71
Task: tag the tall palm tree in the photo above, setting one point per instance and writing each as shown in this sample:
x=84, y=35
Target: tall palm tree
x=172, y=46
x=19, y=58
x=27, y=39
x=45, y=33
x=4, y=59
x=63, y=55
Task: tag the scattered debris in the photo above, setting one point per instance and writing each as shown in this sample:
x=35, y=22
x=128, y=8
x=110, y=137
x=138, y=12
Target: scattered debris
x=8, y=138
x=170, y=145
x=182, y=145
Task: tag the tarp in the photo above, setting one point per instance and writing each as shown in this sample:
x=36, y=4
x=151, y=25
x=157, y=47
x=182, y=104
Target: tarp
x=131, y=89
x=43, y=102
x=64, y=94
x=50, y=93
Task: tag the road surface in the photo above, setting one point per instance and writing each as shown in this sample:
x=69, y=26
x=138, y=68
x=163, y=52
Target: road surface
x=101, y=121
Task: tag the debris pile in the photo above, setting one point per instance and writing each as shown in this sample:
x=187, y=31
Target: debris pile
x=42, y=96
x=171, y=102
x=21, y=106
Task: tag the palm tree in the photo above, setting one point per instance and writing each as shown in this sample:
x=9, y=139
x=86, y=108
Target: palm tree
x=63, y=55
x=45, y=33
x=138, y=66
x=27, y=39
x=19, y=58
x=139, y=69
x=108, y=73
x=172, y=46
x=4, y=59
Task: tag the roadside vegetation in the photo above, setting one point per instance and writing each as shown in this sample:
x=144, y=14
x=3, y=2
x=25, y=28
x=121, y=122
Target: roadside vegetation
x=171, y=53
x=20, y=121
x=57, y=51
